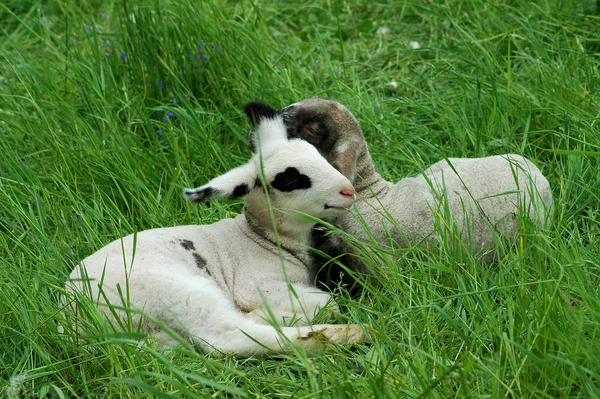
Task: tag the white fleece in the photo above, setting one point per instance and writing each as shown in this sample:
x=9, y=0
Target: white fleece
x=216, y=284
x=207, y=282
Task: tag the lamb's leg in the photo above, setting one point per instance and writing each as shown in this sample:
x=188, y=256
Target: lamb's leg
x=198, y=308
x=260, y=339
x=286, y=308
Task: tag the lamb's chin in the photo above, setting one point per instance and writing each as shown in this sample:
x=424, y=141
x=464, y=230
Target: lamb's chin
x=341, y=207
x=334, y=211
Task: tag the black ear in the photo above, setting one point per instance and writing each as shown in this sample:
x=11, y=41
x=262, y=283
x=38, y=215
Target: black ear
x=257, y=111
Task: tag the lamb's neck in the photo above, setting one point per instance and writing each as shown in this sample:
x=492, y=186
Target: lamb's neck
x=293, y=233
x=368, y=183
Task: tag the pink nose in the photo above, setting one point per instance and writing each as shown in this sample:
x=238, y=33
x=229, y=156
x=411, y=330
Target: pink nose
x=348, y=193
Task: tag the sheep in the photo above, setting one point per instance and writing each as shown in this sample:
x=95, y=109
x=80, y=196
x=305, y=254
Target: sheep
x=483, y=195
x=219, y=285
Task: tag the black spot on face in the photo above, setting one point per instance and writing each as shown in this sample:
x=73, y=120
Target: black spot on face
x=200, y=262
x=240, y=190
x=187, y=245
x=291, y=179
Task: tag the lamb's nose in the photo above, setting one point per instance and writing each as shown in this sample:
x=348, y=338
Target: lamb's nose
x=348, y=193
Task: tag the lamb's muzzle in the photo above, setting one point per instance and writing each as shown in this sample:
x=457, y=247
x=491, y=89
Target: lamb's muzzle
x=348, y=193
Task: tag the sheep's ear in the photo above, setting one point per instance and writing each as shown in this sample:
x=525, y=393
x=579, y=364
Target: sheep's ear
x=344, y=157
x=234, y=184
x=257, y=111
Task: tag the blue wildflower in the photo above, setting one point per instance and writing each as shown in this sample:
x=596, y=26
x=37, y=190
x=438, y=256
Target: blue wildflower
x=173, y=102
x=202, y=57
x=104, y=17
x=217, y=47
x=107, y=55
x=89, y=28
x=169, y=115
x=189, y=57
x=159, y=132
x=160, y=85
x=122, y=56
x=106, y=44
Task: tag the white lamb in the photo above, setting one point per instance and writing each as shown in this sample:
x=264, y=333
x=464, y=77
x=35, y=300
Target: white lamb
x=214, y=283
x=481, y=196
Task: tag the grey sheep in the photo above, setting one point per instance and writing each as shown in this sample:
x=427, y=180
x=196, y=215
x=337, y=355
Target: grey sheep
x=480, y=196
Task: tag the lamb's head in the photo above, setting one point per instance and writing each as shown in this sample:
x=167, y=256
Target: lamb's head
x=296, y=177
x=330, y=127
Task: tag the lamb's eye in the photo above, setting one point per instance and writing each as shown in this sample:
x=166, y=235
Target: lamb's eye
x=291, y=179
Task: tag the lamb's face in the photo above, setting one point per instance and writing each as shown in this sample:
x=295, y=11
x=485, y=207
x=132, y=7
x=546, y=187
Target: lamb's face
x=299, y=179
x=326, y=124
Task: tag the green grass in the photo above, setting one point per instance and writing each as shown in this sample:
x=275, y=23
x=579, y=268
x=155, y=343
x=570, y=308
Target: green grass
x=81, y=164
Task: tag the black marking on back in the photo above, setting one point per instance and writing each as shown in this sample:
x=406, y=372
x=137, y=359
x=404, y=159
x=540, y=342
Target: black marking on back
x=200, y=262
x=240, y=190
x=291, y=179
x=187, y=245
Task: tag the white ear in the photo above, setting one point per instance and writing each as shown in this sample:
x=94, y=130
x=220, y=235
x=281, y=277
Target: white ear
x=233, y=184
x=269, y=131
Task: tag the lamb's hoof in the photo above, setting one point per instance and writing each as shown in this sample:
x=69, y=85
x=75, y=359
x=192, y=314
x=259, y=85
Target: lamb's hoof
x=340, y=334
x=349, y=334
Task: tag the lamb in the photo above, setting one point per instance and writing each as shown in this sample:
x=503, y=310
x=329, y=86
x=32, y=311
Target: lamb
x=482, y=195
x=217, y=285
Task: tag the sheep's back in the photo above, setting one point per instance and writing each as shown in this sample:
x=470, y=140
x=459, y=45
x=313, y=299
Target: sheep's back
x=472, y=196
x=153, y=262
x=401, y=213
x=490, y=194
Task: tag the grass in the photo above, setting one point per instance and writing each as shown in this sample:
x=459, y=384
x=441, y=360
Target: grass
x=90, y=153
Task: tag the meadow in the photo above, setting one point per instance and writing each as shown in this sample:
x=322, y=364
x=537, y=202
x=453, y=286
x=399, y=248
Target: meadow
x=109, y=108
